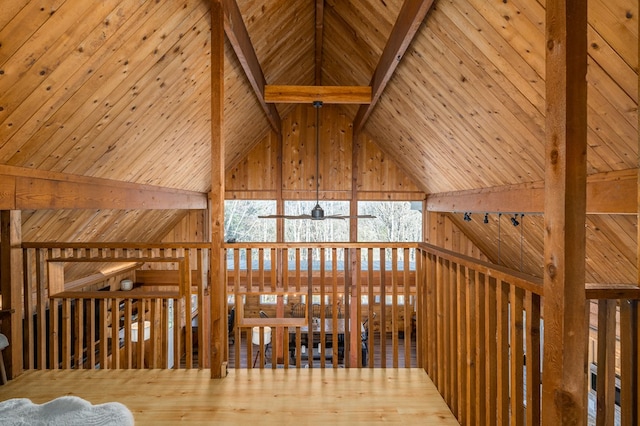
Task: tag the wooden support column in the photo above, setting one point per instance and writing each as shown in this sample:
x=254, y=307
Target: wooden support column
x=564, y=397
x=280, y=308
x=353, y=204
x=218, y=281
x=11, y=287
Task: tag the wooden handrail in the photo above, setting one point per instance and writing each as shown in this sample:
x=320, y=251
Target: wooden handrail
x=519, y=279
x=114, y=245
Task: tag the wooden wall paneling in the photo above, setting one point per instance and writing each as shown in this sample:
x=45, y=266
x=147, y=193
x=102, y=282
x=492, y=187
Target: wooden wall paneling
x=136, y=157
x=88, y=86
x=491, y=27
x=616, y=25
x=606, y=56
x=297, y=36
x=378, y=172
x=298, y=142
x=129, y=108
x=613, y=238
x=32, y=42
x=341, y=20
x=12, y=9
x=510, y=128
x=257, y=171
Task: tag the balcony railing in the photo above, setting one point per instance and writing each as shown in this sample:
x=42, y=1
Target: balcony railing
x=475, y=327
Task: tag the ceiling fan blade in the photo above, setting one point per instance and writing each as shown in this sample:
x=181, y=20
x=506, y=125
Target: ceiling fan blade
x=283, y=216
x=361, y=216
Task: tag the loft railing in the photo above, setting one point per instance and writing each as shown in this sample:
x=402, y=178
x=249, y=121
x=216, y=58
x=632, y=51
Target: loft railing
x=475, y=327
x=480, y=337
x=322, y=305
x=90, y=323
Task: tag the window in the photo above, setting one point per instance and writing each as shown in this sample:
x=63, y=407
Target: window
x=396, y=221
x=314, y=231
x=241, y=222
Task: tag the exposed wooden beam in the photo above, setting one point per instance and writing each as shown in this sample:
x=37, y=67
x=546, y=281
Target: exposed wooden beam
x=319, y=41
x=411, y=16
x=309, y=94
x=24, y=189
x=238, y=36
x=564, y=388
x=607, y=193
x=218, y=321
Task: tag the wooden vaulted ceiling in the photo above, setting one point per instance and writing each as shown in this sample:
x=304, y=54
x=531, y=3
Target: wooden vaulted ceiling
x=120, y=89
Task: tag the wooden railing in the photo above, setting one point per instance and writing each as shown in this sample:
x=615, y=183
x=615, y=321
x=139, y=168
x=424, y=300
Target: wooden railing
x=614, y=373
x=368, y=287
x=90, y=323
x=479, y=334
x=475, y=327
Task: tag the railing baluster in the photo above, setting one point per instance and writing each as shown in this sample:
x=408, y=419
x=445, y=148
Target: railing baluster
x=461, y=342
x=502, y=355
x=91, y=337
x=78, y=331
x=104, y=338
x=66, y=333
x=516, y=355
x=532, y=306
x=470, y=343
x=606, y=379
x=408, y=316
x=629, y=368
x=394, y=306
x=491, y=351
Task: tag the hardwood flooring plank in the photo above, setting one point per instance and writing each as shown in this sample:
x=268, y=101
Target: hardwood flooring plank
x=318, y=396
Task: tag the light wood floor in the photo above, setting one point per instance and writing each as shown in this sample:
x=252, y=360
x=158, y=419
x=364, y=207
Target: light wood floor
x=259, y=397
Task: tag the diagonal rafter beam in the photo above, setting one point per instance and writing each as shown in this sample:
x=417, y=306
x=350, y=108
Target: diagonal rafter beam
x=238, y=36
x=411, y=16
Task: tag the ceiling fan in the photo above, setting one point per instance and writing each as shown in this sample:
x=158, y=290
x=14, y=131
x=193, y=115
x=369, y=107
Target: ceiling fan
x=317, y=213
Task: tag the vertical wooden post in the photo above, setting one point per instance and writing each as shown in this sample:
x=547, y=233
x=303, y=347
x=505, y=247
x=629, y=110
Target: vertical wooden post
x=564, y=399
x=11, y=273
x=353, y=204
x=218, y=302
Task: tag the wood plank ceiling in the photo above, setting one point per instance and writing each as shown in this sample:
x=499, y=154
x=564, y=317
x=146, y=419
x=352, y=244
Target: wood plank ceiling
x=119, y=89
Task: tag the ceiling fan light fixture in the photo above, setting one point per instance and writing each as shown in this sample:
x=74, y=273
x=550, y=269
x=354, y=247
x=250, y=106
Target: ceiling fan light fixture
x=317, y=213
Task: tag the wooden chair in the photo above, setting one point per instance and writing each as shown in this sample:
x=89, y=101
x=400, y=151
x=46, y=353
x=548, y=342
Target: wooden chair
x=298, y=310
x=4, y=343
